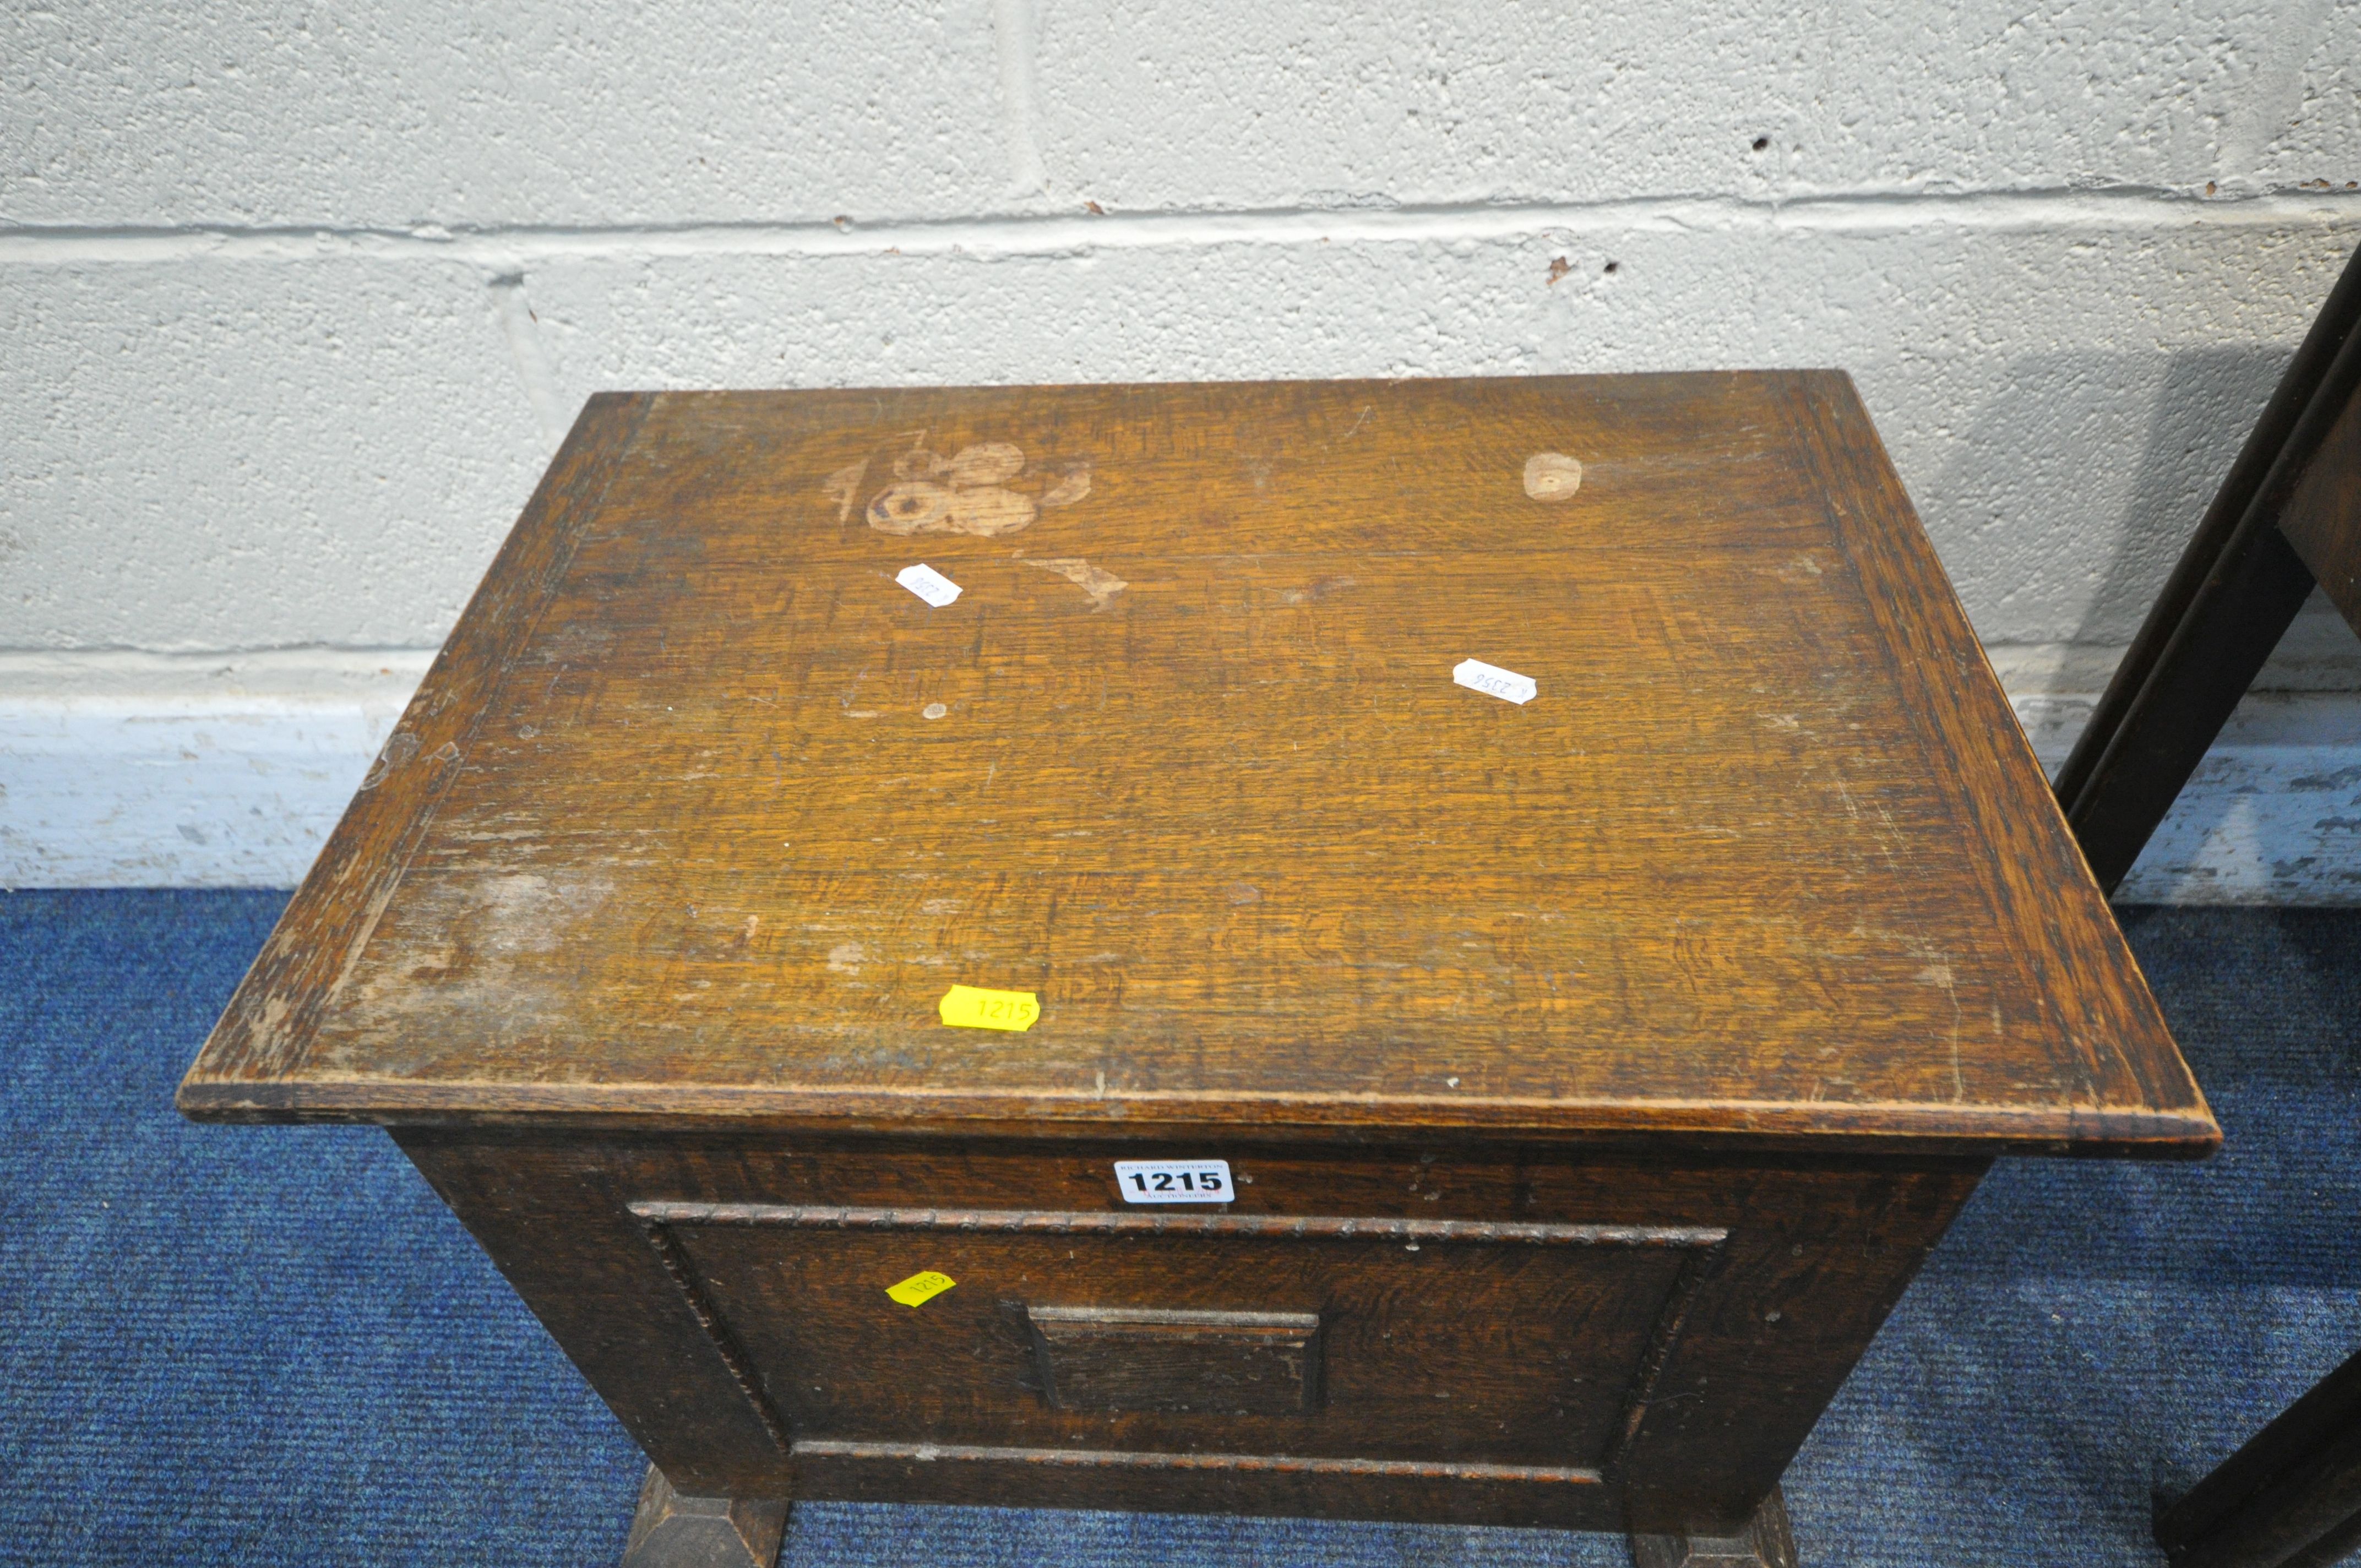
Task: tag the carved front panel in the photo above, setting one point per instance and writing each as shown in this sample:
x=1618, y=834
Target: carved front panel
x=1520, y=1344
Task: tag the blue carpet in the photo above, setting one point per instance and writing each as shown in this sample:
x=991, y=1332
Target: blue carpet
x=271, y=1346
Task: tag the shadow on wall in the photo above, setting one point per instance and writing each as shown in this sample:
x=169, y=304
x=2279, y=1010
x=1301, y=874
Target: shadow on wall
x=2206, y=406
x=2207, y=403
x=2119, y=453
x=2124, y=500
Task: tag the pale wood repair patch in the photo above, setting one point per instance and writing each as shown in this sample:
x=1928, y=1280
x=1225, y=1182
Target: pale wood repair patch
x=1552, y=476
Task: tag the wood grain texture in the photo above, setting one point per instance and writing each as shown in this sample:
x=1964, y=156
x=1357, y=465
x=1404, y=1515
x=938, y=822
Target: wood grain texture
x=1426, y=1491
x=1158, y=1359
x=1766, y=859
x=268, y=1026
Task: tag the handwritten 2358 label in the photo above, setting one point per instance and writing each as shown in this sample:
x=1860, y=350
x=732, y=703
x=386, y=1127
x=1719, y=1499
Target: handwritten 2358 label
x=1494, y=681
x=927, y=584
x=1174, y=1180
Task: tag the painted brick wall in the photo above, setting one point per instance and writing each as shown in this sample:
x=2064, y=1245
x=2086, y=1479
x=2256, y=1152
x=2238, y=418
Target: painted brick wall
x=295, y=305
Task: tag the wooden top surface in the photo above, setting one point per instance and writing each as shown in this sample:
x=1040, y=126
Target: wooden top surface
x=701, y=812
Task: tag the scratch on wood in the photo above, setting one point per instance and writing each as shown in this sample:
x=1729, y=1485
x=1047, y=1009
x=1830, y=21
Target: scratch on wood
x=1939, y=974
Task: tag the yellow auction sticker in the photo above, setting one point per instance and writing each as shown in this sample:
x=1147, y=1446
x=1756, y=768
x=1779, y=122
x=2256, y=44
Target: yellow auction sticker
x=920, y=1287
x=971, y=1007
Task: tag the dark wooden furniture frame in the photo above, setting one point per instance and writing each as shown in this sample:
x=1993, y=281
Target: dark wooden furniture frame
x=2289, y=1498
x=2287, y=516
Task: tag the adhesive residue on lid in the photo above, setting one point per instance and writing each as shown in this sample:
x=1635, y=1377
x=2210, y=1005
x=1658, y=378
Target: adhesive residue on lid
x=843, y=487
x=1096, y=581
x=1069, y=487
x=968, y=492
x=985, y=463
x=915, y=506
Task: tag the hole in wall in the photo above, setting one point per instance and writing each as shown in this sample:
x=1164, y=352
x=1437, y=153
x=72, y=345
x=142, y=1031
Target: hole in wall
x=1612, y=267
x=1761, y=143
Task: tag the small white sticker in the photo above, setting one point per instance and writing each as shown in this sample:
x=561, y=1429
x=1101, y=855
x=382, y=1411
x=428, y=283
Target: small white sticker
x=1174, y=1180
x=927, y=584
x=1494, y=681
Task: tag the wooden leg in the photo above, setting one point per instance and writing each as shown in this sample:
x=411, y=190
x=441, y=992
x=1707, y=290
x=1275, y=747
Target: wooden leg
x=1765, y=1542
x=2289, y=1498
x=674, y=1532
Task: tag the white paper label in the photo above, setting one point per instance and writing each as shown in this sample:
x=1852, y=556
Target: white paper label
x=1174, y=1180
x=1494, y=681
x=927, y=584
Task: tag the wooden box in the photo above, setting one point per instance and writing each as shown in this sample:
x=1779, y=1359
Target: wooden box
x=1579, y=1079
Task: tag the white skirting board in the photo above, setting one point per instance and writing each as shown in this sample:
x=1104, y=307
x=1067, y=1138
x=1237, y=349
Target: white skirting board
x=123, y=770
x=143, y=771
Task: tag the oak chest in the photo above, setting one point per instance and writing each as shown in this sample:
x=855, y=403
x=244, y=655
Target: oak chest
x=1528, y=911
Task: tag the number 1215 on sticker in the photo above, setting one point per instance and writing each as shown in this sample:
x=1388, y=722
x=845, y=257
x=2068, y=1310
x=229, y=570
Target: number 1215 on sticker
x=1174, y=1180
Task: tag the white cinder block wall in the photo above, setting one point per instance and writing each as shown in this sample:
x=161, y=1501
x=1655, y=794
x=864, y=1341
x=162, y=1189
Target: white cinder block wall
x=296, y=302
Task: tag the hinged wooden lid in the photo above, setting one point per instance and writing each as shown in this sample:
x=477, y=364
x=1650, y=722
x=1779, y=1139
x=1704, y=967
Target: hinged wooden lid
x=701, y=812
